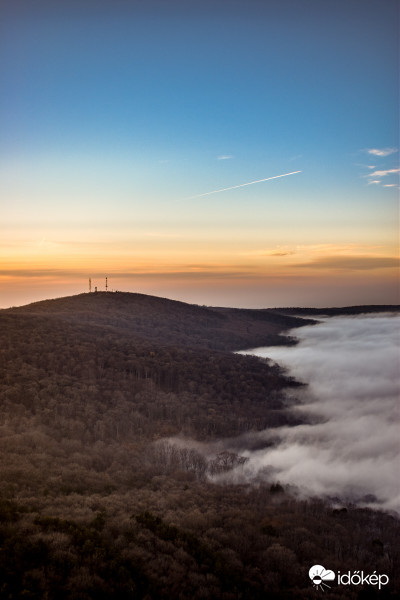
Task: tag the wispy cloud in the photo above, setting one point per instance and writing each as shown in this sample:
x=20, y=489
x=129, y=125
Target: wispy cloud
x=183, y=272
x=276, y=251
x=279, y=252
x=376, y=174
x=315, y=252
x=225, y=157
x=383, y=173
x=382, y=151
x=354, y=263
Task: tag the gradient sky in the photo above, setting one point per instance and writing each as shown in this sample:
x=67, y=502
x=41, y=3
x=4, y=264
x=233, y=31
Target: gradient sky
x=115, y=115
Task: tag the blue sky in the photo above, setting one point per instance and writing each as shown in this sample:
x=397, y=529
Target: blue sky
x=114, y=113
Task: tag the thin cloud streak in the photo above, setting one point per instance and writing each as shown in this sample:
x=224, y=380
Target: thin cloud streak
x=355, y=262
x=382, y=151
x=234, y=187
x=218, y=272
x=383, y=173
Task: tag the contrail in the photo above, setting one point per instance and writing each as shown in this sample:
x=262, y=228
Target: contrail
x=234, y=187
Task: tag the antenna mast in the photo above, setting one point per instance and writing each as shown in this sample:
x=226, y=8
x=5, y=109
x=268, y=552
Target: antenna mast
x=106, y=284
x=90, y=285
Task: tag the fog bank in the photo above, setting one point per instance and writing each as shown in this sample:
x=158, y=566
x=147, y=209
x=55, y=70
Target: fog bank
x=350, y=449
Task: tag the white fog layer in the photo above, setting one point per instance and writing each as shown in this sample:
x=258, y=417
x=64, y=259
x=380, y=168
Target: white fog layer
x=350, y=449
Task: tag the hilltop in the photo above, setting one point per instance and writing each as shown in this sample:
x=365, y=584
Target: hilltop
x=169, y=322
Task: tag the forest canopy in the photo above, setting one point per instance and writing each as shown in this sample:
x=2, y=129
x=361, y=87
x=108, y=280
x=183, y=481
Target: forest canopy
x=97, y=502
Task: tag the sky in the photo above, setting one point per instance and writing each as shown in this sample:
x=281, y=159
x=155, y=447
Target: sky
x=118, y=118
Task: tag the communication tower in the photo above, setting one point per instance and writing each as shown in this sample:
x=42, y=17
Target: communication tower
x=90, y=285
x=106, y=284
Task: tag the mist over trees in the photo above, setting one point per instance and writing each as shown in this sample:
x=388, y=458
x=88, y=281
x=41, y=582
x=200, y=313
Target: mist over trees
x=96, y=503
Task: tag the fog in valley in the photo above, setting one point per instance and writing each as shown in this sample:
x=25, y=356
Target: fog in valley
x=349, y=448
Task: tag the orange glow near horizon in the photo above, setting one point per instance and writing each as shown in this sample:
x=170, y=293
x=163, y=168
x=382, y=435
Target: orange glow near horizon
x=194, y=271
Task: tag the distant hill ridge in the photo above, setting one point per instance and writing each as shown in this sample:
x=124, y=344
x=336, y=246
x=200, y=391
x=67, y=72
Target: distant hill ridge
x=171, y=322
x=344, y=310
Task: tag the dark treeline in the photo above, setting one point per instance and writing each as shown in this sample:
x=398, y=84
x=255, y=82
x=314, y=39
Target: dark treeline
x=342, y=311
x=95, y=504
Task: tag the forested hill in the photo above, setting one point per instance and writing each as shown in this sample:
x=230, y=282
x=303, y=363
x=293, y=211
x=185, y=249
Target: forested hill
x=131, y=365
x=98, y=501
x=170, y=322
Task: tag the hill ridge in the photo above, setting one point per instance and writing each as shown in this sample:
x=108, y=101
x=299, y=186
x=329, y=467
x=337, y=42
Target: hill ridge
x=169, y=322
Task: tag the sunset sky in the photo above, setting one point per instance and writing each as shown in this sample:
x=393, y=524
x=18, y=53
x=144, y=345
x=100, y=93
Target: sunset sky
x=117, y=119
